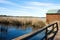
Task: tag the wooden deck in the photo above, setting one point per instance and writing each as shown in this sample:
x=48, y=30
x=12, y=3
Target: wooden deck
x=21, y=37
x=57, y=37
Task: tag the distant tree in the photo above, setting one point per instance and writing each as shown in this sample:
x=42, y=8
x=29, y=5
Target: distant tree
x=3, y=15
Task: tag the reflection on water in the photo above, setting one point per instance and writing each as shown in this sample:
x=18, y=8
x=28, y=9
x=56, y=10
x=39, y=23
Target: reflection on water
x=8, y=32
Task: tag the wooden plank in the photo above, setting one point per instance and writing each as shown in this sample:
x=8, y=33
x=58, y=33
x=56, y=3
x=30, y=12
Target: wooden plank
x=27, y=36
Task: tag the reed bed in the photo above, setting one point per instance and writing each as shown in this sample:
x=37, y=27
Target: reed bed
x=22, y=21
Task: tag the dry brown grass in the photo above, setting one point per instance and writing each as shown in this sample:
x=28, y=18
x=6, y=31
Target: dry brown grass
x=22, y=21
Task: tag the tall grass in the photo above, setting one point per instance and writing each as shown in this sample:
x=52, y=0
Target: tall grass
x=39, y=24
x=4, y=21
x=22, y=22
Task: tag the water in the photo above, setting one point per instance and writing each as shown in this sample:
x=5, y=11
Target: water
x=15, y=31
x=38, y=36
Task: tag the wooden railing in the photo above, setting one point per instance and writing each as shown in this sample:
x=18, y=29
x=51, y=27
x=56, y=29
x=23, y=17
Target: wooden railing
x=50, y=29
x=54, y=25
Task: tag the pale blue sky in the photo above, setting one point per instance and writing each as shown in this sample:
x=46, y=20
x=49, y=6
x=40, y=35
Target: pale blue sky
x=37, y=8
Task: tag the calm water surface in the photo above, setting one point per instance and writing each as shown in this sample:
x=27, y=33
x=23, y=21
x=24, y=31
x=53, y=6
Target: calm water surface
x=16, y=31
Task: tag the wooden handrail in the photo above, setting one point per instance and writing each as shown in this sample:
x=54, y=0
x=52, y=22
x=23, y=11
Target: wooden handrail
x=40, y=30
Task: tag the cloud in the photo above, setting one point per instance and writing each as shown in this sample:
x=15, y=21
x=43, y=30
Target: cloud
x=2, y=0
x=42, y=8
x=14, y=12
x=29, y=8
x=31, y=5
x=39, y=4
x=15, y=4
x=46, y=6
x=10, y=3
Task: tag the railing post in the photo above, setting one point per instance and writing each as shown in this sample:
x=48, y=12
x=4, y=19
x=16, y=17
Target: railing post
x=46, y=34
x=57, y=26
x=53, y=27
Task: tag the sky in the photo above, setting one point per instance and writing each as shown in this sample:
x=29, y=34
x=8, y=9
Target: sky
x=36, y=8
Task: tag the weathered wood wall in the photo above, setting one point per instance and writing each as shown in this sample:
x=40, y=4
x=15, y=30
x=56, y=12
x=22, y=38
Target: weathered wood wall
x=52, y=17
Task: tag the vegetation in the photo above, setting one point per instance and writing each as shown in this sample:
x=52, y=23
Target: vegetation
x=22, y=21
x=39, y=24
